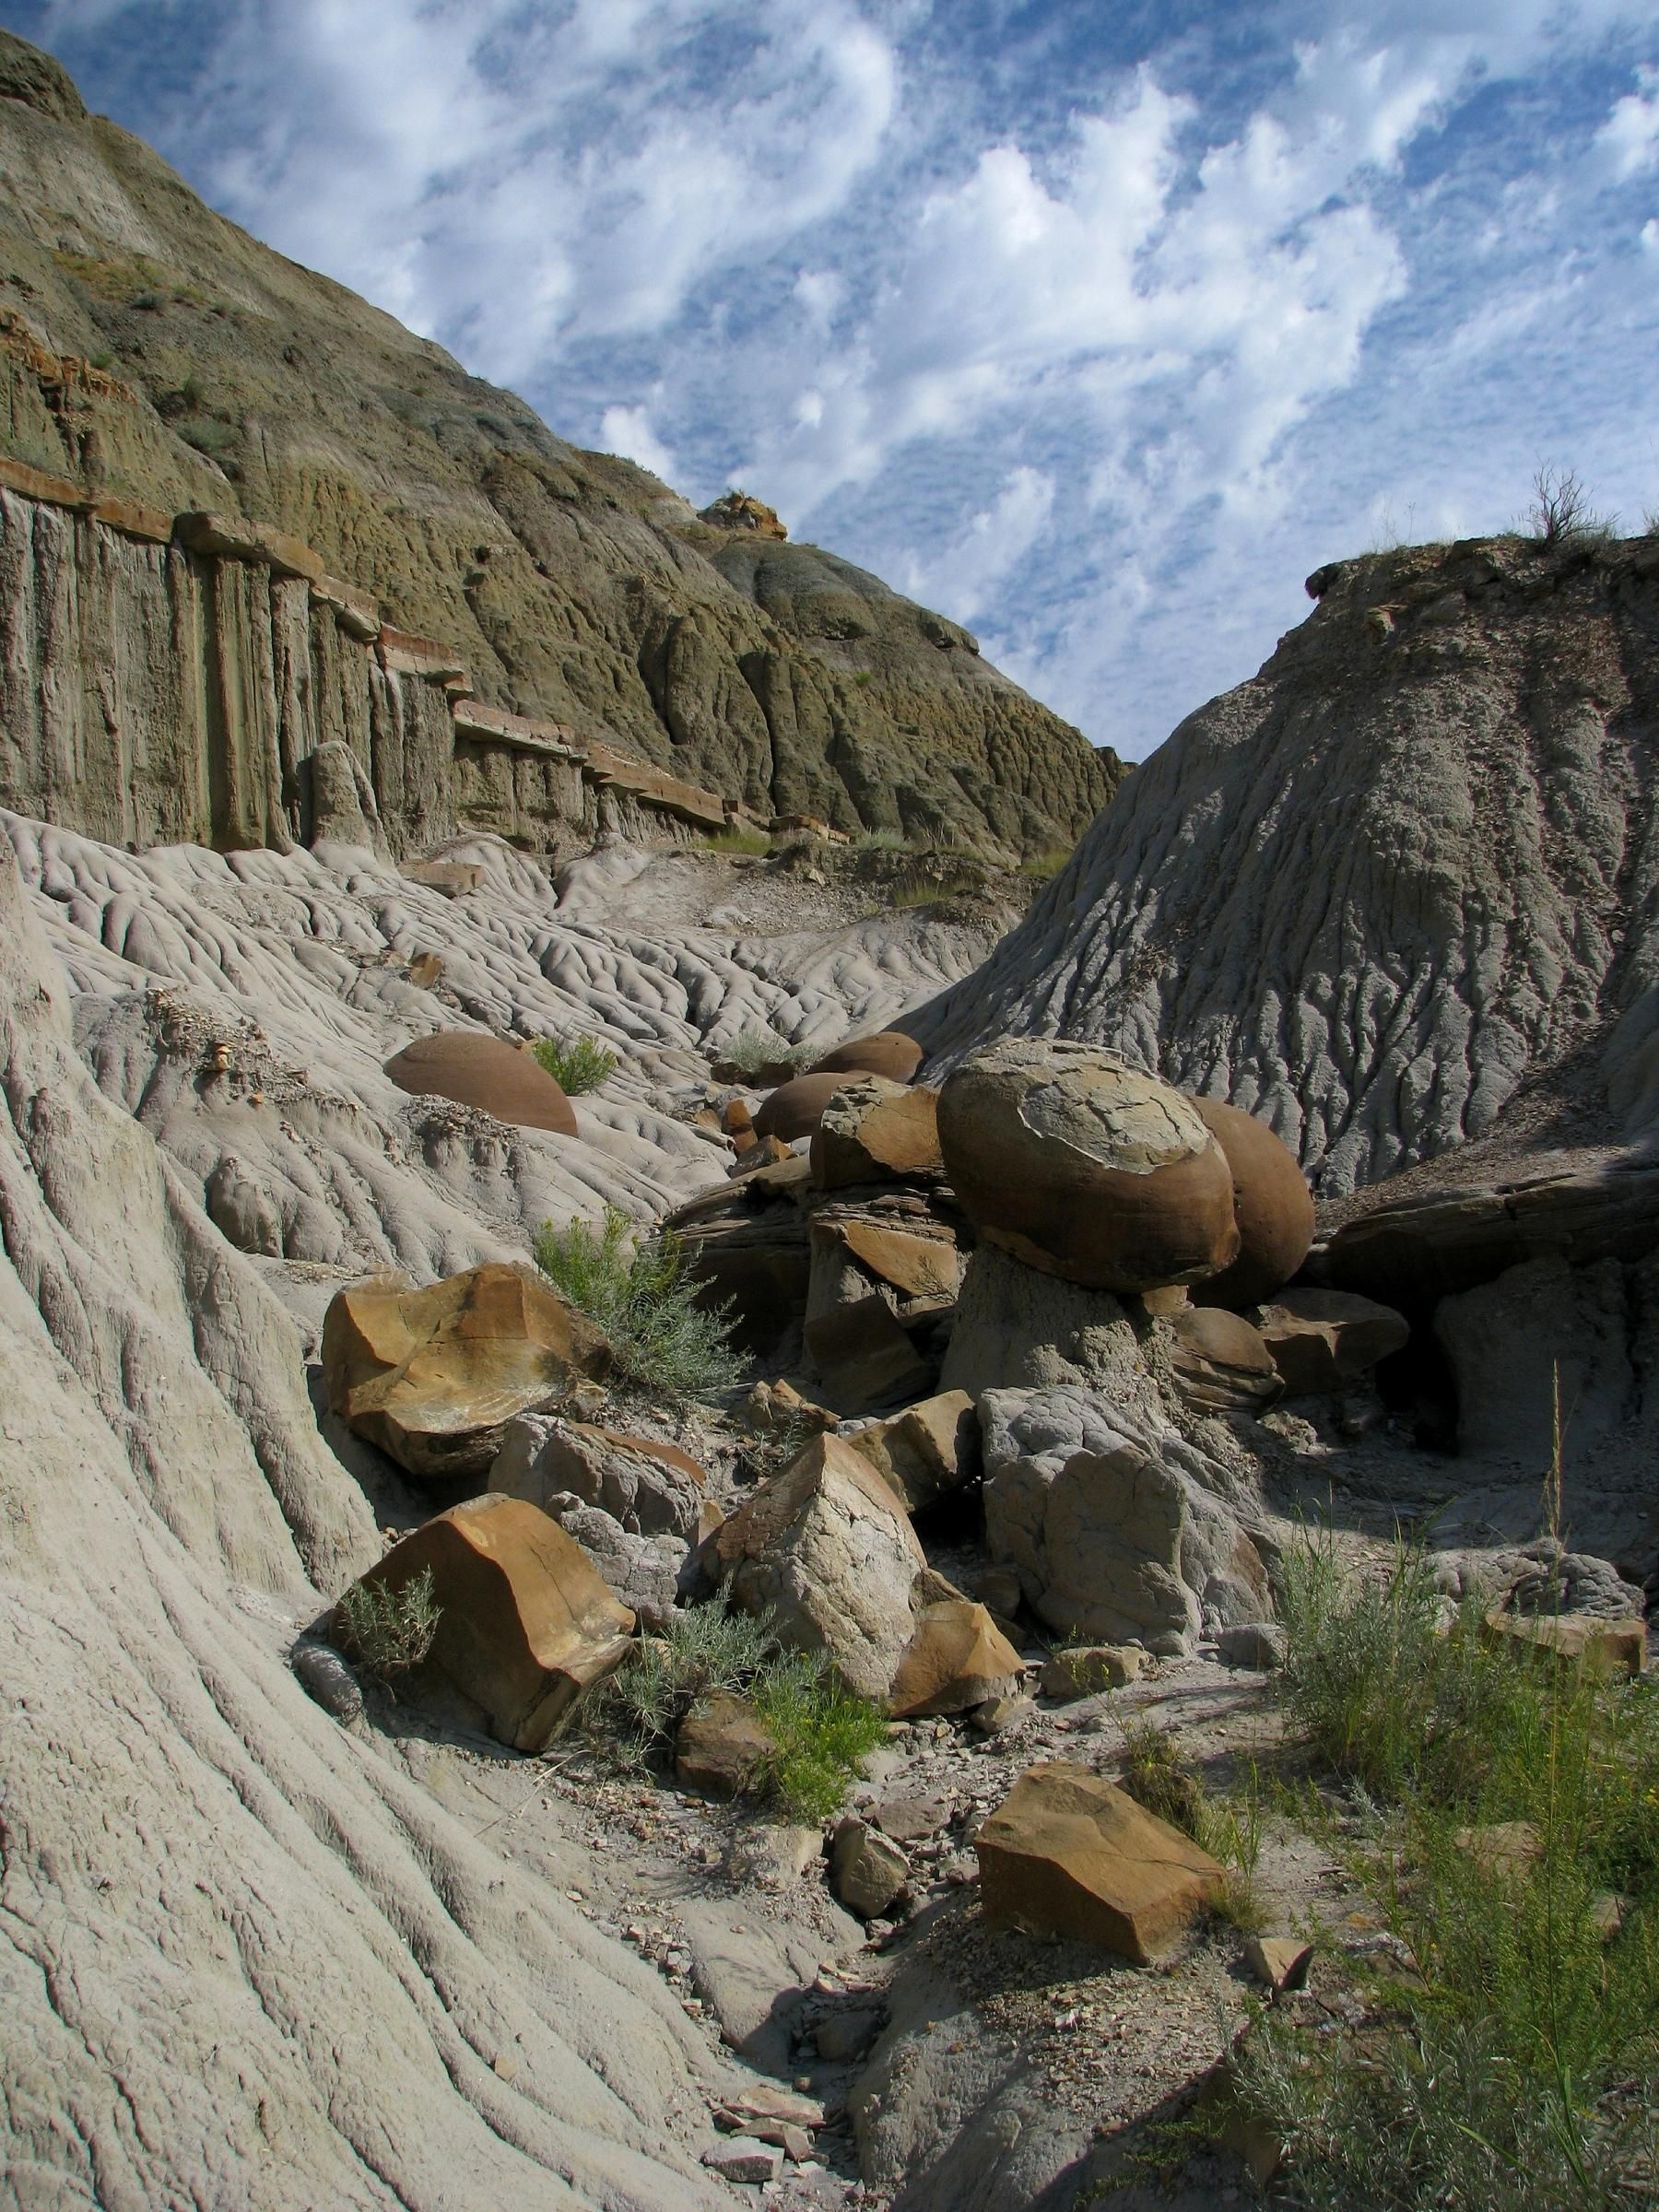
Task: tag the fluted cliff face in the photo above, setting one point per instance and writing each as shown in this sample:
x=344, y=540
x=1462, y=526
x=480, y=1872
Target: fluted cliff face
x=151, y=351
x=1410, y=866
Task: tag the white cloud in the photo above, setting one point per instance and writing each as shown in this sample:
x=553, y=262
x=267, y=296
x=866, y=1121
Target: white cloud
x=1627, y=143
x=961, y=578
x=628, y=431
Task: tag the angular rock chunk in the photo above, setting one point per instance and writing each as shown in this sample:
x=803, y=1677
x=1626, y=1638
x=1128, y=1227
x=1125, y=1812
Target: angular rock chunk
x=524, y=1622
x=434, y=1376
x=870, y=1871
x=914, y=1266
x=887, y=1052
x=1086, y=1167
x=1066, y=1854
x=874, y=1131
x=485, y=1072
x=722, y=1745
x=652, y=1488
x=1221, y=1364
x=828, y=1549
x=1272, y=1204
x=957, y=1658
x=864, y=1357
x=1322, y=1341
x=793, y=1110
x=745, y=2159
x=1089, y=1668
x=1605, y=1647
x=925, y=1451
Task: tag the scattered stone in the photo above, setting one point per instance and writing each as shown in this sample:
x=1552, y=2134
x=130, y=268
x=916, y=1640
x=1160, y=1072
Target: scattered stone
x=1086, y=1167
x=1607, y=1913
x=1321, y=1341
x=826, y=1549
x=871, y=1130
x=745, y=2159
x=773, y=1858
x=868, y=1873
x=474, y=1069
x=722, y=1745
x=763, y=2100
x=426, y=970
x=1066, y=1854
x=1258, y=1644
x=844, y=2036
x=1089, y=1668
x=1280, y=1961
x=1220, y=1363
x=957, y=1658
x=888, y=1053
x=650, y=1487
x=1605, y=1647
x=777, y=1409
x=524, y=1622
x=323, y=1674
x=1272, y=1204
x=909, y=1819
x=434, y=1376
x=926, y=1452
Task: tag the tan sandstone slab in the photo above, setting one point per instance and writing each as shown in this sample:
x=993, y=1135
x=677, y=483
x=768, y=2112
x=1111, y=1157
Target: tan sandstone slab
x=1605, y=1647
x=957, y=1658
x=525, y=1624
x=1322, y=1340
x=871, y=1129
x=927, y=1451
x=1066, y=1854
x=434, y=1376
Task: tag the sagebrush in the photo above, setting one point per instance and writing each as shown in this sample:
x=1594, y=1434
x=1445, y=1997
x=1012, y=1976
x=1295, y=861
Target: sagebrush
x=389, y=1629
x=752, y=1050
x=577, y=1064
x=639, y=1293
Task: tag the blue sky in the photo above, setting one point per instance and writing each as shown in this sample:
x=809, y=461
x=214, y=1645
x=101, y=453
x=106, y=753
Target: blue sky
x=1095, y=325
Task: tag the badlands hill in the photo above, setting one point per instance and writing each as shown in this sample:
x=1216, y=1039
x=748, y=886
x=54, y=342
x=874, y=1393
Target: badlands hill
x=1404, y=875
x=155, y=354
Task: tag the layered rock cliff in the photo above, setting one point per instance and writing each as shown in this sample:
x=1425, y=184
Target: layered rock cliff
x=153, y=353
x=1407, y=869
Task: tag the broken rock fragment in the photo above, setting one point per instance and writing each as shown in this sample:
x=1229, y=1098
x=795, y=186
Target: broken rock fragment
x=870, y=1871
x=1325, y=1341
x=925, y=1451
x=957, y=1658
x=524, y=1622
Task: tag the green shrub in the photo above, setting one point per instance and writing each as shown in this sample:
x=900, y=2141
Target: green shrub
x=753, y=1050
x=209, y=435
x=639, y=1294
x=738, y=839
x=822, y=1730
x=1042, y=866
x=577, y=1067
x=1516, y=2065
x=1156, y=1773
x=391, y=1630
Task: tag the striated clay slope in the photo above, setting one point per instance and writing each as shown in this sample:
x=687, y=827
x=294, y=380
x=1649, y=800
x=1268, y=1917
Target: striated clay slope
x=152, y=349
x=1410, y=866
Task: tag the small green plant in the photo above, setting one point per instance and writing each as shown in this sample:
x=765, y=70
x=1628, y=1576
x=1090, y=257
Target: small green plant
x=209, y=435
x=578, y=1066
x=1158, y=1776
x=100, y=358
x=751, y=1051
x=641, y=1296
x=1042, y=866
x=821, y=1729
x=738, y=839
x=390, y=1629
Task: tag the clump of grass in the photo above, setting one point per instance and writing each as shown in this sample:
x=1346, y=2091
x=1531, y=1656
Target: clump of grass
x=753, y=1050
x=576, y=1066
x=1042, y=866
x=821, y=1728
x=639, y=1294
x=738, y=839
x=1156, y=1774
x=1516, y=2068
x=390, y=1630
x=208, y=434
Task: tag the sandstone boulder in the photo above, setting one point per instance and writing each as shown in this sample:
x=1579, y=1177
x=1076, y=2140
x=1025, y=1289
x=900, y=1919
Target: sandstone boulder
x=1120, y=1529
x=525, y=1624
x=925, y=1451
x=915, y=1262
x=1325, y=1341
x=651, y=1488
x=722, y=1745
x=957, y=1658
x=1220, y=1363
x=1272, y=1205
x=1066, y=1854
x=870, y=1871
x=828, y=1549
x=1572, y=1639
x=485, y=1072
x=888, y=1053
x=873, y=1130
x=1088, y=1668
x=864, y=1357
x=434, y=1376
x=795, y=1107
x=1086, y=1167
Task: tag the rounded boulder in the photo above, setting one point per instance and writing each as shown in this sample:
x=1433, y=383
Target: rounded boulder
x=485, y=1072
x=1272, y=1205
x=888, y=1053
x=795, y=1107
x=1086, y=1167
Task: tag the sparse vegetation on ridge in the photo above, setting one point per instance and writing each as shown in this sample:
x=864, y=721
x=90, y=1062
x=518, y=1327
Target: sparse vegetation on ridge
x=578, y=1065
x=639, y=1294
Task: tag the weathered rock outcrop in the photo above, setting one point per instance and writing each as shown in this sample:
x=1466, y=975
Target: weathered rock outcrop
x=570, y=587
x=1407, y=865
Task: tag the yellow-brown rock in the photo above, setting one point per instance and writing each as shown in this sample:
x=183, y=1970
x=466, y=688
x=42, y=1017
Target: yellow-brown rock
x=918, y=1266
x=525, y=1624
x=888, y=1053
x=1067, y=1854
x=487, y=1072
x=793, y=1110
x=925, y=1451
x=957, y=1658
x=1086, y=1167
x=1272, y=1204
x=873, y=1130
x=434, y=1376
x=1221, y=1364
